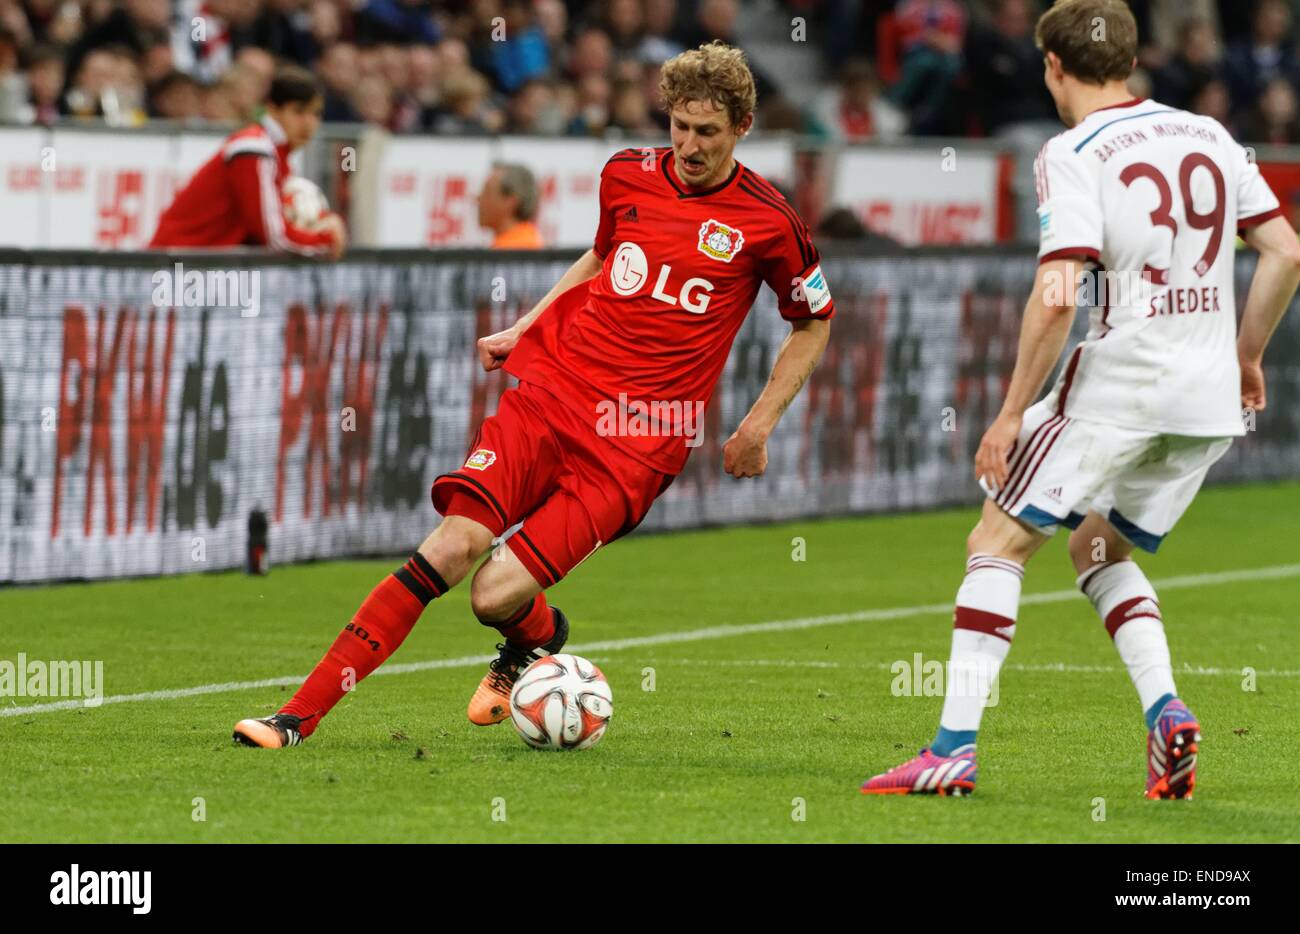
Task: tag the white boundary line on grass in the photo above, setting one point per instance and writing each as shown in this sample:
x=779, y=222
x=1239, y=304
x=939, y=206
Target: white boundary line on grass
x=1054, y=667
x=669, y=638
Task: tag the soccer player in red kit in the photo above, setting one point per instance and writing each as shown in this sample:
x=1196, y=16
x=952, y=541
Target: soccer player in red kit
x=615, y=366
x=234, y=199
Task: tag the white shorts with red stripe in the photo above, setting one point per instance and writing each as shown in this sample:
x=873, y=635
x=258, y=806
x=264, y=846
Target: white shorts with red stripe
x=1140, y=481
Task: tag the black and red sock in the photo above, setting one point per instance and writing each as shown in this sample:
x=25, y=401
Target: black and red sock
x=378, y=628
x=533, y=624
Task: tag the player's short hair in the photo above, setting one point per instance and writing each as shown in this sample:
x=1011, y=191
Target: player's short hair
x=1096, y=40
x=714, y=72
x=293, y=85
x=517, y=181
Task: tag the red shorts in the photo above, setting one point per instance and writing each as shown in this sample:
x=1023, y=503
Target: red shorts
x=538, y=462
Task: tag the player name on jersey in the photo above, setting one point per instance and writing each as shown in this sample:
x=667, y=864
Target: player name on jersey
x=1186, y=301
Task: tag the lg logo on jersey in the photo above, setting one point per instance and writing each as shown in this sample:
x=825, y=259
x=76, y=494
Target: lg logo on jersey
x=630, y=271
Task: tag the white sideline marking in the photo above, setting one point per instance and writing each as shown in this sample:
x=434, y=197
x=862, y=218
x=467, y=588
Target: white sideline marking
x=668, y=638
x=1055, y=667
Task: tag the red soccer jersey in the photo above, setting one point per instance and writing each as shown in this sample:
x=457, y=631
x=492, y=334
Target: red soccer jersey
x=639, y=348
x=234, y=199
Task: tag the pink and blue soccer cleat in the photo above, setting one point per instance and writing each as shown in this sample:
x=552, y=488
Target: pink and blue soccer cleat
x=928, y=774
x=1171, y=752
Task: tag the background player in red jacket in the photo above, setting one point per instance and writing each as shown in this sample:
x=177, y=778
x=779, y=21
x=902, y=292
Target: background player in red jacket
x=235, y=199
x=616, y=365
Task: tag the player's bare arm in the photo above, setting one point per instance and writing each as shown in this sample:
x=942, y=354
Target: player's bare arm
x=1275, y=282
x=745, y=453
x=1043, y=333
x=493, y=349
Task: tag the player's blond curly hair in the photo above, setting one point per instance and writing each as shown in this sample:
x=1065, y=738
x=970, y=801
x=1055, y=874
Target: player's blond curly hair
x=714, y=72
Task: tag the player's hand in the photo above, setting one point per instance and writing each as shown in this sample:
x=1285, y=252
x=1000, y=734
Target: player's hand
x=745, y=454
x=1252, y=386
x=493, y=349
x=995, y=448
x=334, y=226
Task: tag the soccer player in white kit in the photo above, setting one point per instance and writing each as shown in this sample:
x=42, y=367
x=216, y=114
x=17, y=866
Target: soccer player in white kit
x=1147, y=199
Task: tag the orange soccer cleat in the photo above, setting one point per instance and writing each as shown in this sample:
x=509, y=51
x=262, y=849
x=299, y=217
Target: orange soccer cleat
x=273, y=732
x=491, y=701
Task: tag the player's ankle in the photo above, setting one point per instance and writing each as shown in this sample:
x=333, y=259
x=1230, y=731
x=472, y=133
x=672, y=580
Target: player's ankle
x=1155, y=710
x=534, y=640
x=950, y=742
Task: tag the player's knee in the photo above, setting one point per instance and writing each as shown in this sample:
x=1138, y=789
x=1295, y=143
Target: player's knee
x=984, y=540
x=1082, y=550
x=1007, y=539
x=1096, y=542
x=499, y=588
x=453, y=548
x=489, y=597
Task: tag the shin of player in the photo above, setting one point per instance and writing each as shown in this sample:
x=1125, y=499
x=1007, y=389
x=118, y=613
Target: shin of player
x=504, y=596
x=984, y=623
x=376, y=630
x=1130, y=610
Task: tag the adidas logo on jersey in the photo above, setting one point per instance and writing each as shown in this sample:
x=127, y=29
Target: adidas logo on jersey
x=629, y=214
x=1054, y=494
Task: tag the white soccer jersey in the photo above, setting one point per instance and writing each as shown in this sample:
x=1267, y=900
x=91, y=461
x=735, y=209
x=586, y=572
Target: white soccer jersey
x=1154, y=196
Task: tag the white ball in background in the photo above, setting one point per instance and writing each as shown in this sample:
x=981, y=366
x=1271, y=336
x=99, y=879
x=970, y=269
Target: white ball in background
x=304, y=202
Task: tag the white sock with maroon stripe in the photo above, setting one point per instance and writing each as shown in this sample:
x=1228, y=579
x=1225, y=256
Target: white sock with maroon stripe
x=983, y=626
x=1127, y=603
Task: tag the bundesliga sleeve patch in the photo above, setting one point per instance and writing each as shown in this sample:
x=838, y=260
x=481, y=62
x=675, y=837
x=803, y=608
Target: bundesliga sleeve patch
x=481, y=459
x=816, y=291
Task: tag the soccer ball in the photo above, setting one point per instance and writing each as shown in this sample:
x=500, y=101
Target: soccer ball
x=304, y=203
x=561, y=702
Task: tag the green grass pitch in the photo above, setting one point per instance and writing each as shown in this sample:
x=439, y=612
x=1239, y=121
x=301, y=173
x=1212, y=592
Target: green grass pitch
x=742, y=735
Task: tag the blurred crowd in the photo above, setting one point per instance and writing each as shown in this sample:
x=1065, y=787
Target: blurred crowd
x=584, y=67
x=462, y=67
x=971, y=67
